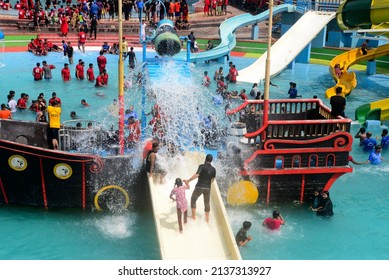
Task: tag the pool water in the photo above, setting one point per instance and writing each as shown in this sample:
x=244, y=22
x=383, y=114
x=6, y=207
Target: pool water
x=358, y=230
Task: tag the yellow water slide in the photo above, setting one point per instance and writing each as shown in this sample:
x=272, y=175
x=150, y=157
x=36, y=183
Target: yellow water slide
x=369, y=15
x=347, y=80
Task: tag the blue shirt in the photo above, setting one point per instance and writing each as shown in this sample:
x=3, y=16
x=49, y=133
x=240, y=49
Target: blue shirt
x=140, y=5
x=292, y=93
x=375, y=158
x=385, y=142
x=217, y=99
x=131, y=114
x=369, y=144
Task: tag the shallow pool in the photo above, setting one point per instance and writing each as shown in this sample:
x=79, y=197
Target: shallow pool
x=356, y=231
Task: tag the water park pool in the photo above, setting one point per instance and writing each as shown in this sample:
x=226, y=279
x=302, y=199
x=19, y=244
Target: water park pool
x=359, y=197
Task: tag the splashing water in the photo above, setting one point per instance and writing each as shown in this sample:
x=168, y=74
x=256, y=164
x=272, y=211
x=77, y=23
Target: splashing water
x=182, y=104
x=116, y=226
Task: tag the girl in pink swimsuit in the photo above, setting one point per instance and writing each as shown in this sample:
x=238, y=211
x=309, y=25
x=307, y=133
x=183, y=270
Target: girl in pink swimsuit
x=181, y=202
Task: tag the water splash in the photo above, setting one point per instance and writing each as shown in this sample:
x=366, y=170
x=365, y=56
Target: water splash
x=117, y=226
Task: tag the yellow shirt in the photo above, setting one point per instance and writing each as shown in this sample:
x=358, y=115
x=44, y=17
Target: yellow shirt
x=124, y=47
x=54, y=116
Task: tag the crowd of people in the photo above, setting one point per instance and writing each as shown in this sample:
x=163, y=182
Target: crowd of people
x=39, y=46
x=89, y=13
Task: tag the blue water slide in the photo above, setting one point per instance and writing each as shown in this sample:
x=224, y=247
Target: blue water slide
x=227, y=34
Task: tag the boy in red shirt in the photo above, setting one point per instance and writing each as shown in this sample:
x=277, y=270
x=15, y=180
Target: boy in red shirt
x=22, y=102
x=80, y=70
x=90, y=74
x=37, y=72
x=65, y=73
x=81, y=40
x=101, y=61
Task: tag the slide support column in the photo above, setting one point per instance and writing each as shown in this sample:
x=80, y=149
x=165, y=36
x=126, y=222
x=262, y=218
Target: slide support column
x=254, y=31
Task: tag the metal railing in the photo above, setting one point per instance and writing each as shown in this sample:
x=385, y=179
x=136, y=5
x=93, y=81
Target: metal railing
x=82, y=136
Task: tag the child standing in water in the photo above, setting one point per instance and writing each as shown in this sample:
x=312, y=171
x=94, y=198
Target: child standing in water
x=181, y=202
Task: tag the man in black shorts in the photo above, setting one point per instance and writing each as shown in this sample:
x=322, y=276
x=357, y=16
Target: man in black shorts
x=206, y=173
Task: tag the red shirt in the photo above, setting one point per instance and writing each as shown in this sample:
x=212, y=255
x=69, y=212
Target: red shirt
x=90, y=74
x=99, y=81
x=101, y=62
x=51, y=100
x=82, y=37
x=21, y=103
x=38, y=73
x=65, y=74
x=80, y=72
x=105, y=79
x=233, y=74
x=272, y=224
x=22, y=14
x=37, y=42
x=243, y=96
x=31, y=46
x=134, y=135
x=147, y=148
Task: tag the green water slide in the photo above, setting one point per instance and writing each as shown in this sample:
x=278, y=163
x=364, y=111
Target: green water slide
x=377, y=110
x=363, y=14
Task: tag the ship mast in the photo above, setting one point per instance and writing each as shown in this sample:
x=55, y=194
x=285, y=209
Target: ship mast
x=267, y=69
x=121, y=80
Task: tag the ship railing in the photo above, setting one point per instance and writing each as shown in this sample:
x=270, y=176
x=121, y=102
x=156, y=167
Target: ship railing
x=297, y=118
x=304, y=129
x=82, y=136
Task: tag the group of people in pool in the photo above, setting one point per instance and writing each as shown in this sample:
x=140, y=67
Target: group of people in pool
x=321, y=204
x=370, y=144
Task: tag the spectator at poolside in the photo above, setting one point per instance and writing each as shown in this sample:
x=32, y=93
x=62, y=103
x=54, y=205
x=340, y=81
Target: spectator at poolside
x=105, y=47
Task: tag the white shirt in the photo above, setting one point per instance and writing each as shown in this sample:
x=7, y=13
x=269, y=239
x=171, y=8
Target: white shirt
x=12, y=105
